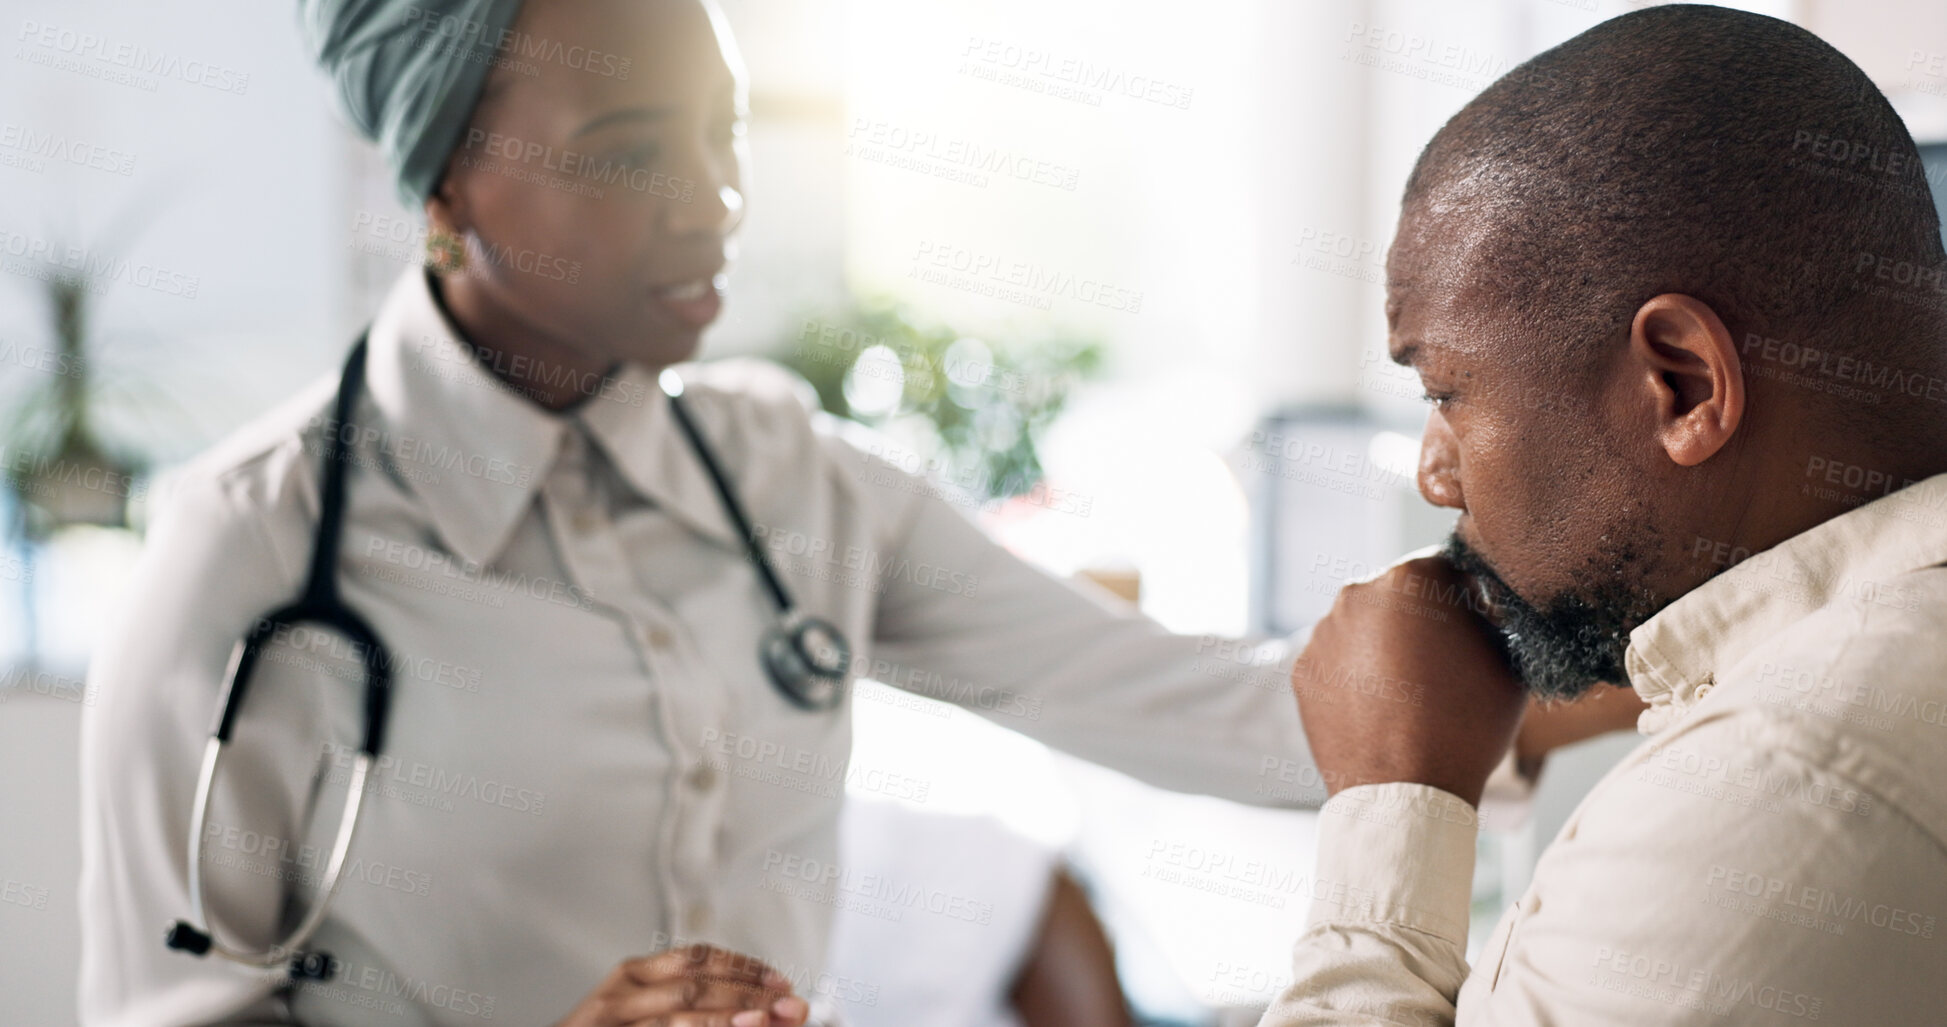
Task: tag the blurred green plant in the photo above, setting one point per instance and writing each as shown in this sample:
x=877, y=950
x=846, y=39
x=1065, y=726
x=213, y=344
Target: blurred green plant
x=58, y=467
x=63, y=466
x=971, y=408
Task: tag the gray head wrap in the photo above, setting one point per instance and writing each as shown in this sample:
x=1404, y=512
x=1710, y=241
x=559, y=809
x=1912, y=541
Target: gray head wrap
x=407, y=74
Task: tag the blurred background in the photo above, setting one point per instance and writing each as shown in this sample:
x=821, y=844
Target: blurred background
x=1113, y=266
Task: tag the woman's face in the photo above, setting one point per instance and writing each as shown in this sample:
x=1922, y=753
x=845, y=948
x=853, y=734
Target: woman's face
x=599, y=186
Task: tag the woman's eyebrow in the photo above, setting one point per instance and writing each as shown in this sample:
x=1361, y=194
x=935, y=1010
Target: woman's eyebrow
x=618, y=116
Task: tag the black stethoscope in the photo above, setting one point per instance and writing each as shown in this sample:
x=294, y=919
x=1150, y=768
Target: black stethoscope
x=808, y=660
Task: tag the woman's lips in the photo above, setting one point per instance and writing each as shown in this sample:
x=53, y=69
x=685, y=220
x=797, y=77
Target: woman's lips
x=694, y=303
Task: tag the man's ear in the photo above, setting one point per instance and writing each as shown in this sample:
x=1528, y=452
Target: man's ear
x=1691, y=372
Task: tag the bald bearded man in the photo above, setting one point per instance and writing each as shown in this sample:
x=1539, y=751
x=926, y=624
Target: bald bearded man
x=1712, y=230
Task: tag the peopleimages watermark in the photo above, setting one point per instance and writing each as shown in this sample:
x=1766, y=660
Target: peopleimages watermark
x=1216, y=872
x=1407, y=591
x=1429, y=60
x=1283, y=779
x=1932, y=68
x=1693, y=986
x=879, y=895
x=472, y=581
x=404, y=242
x=829, y=344
x=461, y=361
x=423, y=455
x=1378, y=373
x=1258, y=666
x=1785, y=575
x=1016, y=281
x=1850, y=484
x=855, y=566
x=38, y=258
x=805, y=981
x=236, y=848
x=948, y=157
x=442, y=26
x=13, y=568
x=40, y=474
x=1310, y=462
x=1865, y=162
x=1808, y=905
x=1064, y=77
x=26, y=680
x=97, y=56
x=1339, y=253
x=20, y=893
x=964, y=484
x=571, y=166
x=812, y=771
x=39, y=358
x=1682, y=768
x=30, y=150
x=1900, y=280
x=423, y=784
x=1824, y=370
x=382, y=989
x=315, y=649
x=1836, y=698
x=969, y=695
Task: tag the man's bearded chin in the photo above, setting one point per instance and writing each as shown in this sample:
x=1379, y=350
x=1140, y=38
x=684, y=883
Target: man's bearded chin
x=1577, y=639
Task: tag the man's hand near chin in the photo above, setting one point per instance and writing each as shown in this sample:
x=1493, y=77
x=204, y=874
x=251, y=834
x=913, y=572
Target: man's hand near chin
x=1404, y=681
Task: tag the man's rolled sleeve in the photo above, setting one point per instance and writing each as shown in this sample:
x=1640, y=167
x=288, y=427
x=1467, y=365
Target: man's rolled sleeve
x=1387, y=934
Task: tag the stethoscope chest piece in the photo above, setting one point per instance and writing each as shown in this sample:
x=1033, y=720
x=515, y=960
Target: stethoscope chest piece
x=808, y=660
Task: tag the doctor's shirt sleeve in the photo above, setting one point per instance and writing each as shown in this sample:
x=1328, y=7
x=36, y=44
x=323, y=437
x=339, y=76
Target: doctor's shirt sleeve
x=963, y=620
x=208, y=570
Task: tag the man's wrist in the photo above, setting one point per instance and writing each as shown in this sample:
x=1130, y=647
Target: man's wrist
x=1398, y=853
x=1467, y=787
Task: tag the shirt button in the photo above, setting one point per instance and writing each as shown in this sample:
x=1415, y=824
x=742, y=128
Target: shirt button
x=696, y=920
x=703, y=777
x=659, y=638
x=586, y=521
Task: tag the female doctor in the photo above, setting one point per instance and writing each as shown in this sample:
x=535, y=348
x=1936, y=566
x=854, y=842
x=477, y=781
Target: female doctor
x=615, y=738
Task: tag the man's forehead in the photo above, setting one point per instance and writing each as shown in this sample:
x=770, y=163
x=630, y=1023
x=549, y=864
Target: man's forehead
x=1432, y=275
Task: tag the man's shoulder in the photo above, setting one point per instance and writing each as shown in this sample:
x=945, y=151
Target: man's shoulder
x=1876, y=641
x=1860, y=686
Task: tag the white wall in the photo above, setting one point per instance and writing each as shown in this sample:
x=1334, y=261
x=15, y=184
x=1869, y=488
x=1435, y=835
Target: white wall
x=224, y=191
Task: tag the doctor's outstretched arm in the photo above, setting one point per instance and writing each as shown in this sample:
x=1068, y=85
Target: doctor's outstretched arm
x=1074, y=667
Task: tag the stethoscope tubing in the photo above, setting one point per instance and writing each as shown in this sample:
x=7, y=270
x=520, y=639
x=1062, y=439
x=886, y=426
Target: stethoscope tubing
x=282, y=953
x=795, y=673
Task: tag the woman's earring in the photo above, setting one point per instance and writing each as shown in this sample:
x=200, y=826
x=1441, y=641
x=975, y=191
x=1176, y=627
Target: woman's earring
x=445, y=251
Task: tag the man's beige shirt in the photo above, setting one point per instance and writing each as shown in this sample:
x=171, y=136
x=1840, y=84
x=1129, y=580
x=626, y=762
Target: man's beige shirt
x=1775, y=852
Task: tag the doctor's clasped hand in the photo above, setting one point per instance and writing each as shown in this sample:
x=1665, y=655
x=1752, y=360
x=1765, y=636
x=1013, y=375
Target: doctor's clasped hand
x=695, y=986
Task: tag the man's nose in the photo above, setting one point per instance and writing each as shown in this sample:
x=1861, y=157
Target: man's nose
x=1439, y=477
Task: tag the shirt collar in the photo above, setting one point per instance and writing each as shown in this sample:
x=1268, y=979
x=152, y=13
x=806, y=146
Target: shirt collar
x=1673, y=657
x=474, y=451
x=631, y=420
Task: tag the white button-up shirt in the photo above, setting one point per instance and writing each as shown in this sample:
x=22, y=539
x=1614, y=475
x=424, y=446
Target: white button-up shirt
x=1775, y=852
x=585, y=760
